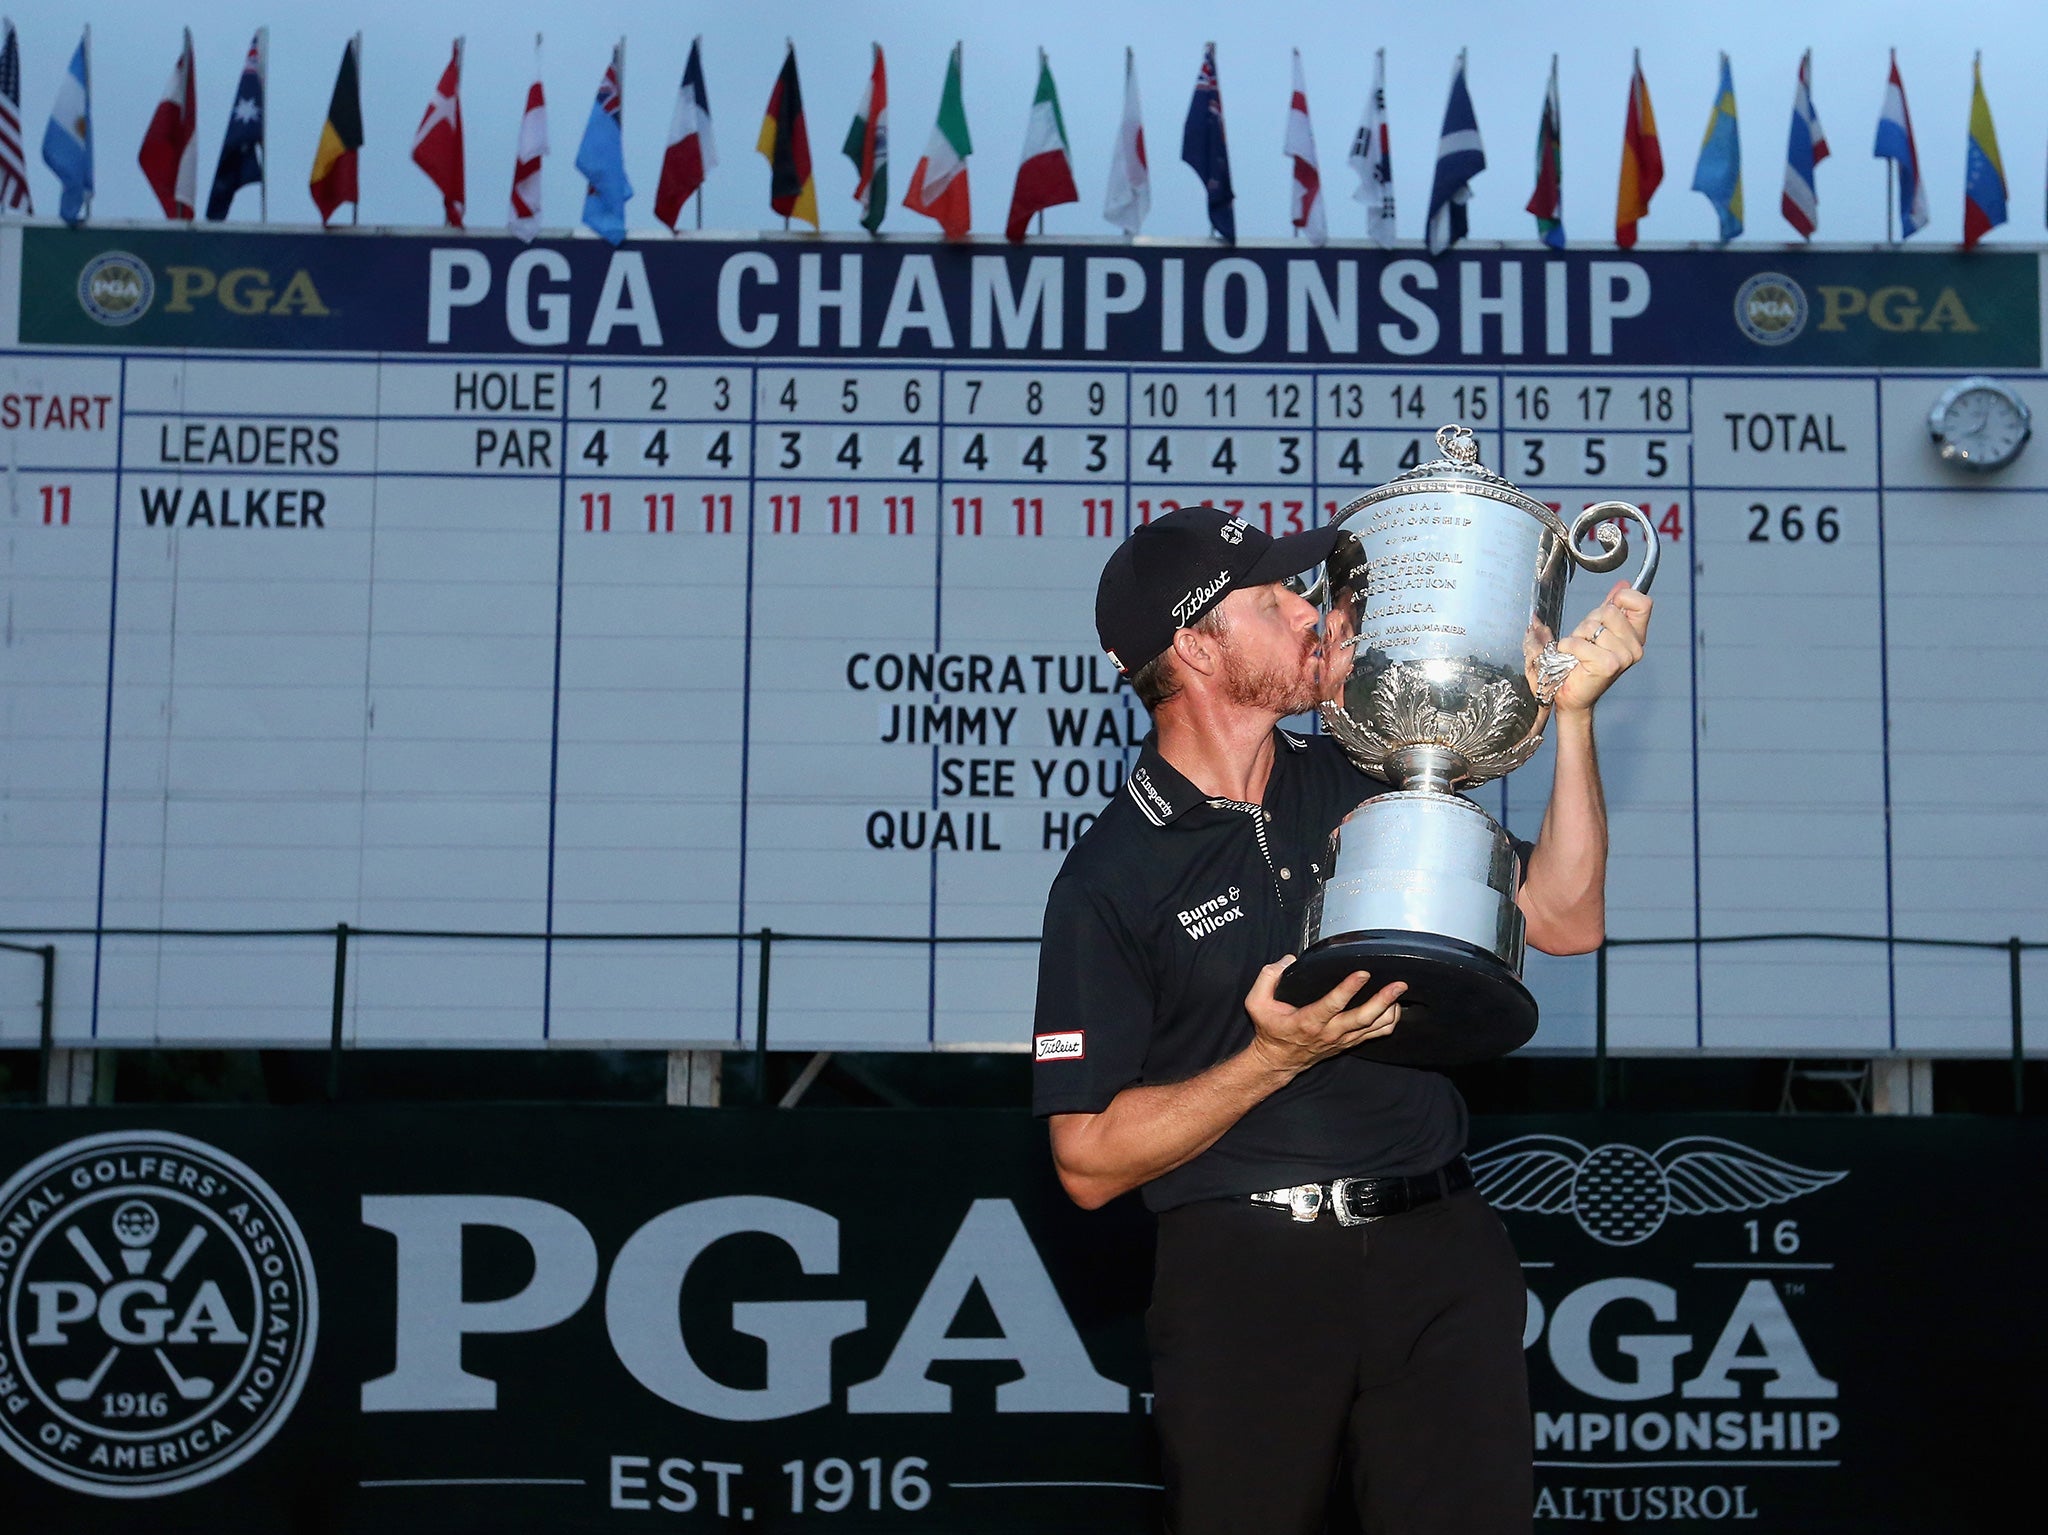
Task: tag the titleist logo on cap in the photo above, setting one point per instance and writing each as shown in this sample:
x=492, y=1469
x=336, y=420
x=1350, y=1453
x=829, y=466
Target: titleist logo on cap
x=1201, y=594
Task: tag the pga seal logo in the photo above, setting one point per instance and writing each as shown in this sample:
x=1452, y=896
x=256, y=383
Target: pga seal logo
x=159, y=1313
x=116, y=288
x=1770, y=309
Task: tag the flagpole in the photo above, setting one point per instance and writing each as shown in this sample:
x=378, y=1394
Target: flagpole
x=263, y=126
x=355, y=206
x=85, y=213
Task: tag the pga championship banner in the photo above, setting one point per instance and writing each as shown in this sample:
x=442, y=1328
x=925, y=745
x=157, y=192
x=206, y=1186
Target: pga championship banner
x=700, y=587
x=483, y=1320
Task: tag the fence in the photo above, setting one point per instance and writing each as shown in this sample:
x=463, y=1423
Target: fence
x=766, y=938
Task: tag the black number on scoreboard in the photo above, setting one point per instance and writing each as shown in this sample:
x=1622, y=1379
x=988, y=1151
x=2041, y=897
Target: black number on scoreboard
x=913, y=401
x=1222, y=400
x=1098, y=398
x=973, y=395
x=1290, y=455
x=1792, y=524
x=721, y=393
x=1351, y=461
x=1470, y=401
x=1225, y=456
x=1655, y=462
x=788, y=399
x=1657, y=402
x=1408, y=402
x=595, y=451
x=1034, y=456
x=1596, y=456
x=720, y=451
x=1161, y=457
x=1411, y=456
x=849, y=452
x=849, y=396
x=792, y=450
x=1098, y=452
x=1285, y=400
x=1161, y=399
x=912, y=456
x=1532, y=455
x=660, y=400
x=1347, y=401
x=976, y=455
x=1034, y=398
x=656, y=451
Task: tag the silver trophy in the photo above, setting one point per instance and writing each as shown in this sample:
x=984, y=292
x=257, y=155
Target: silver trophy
x=1440, y=626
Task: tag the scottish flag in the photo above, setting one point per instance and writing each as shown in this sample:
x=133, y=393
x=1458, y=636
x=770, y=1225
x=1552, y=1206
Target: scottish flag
x=67, y=141
x=1459, y=157
x=1718, y=176
x=601, y=157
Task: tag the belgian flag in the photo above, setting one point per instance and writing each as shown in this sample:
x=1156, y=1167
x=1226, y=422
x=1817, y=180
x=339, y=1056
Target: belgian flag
x=787, y=144
x=334, y=162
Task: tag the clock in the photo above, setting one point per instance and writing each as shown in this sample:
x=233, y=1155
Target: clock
x=1979, y=423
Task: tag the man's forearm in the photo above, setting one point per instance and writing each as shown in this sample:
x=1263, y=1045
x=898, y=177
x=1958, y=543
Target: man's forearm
x=1564, y=896
x=1149, y=1131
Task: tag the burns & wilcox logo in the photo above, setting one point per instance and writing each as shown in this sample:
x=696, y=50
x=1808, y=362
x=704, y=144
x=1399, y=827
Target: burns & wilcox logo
x=116, y=288
x=159, y=1312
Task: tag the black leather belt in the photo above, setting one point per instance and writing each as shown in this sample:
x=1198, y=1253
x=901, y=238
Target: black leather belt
x=1355, y=1201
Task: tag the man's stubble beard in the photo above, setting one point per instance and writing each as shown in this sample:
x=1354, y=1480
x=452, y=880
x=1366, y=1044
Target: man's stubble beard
x=1278, y=690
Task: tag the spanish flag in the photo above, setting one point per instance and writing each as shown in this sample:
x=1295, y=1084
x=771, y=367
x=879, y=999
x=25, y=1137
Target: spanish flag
x=787, y=145
x=1642, y=160
x=334, y=162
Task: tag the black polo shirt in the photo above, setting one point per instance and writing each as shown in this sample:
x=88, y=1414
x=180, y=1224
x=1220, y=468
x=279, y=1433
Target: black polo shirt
x=1155, y=929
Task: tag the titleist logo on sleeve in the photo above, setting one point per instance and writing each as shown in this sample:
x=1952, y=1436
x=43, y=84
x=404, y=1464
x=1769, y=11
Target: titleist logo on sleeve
x=1058, y=1047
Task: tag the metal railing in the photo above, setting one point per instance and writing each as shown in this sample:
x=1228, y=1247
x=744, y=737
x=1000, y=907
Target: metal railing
x=766, y=938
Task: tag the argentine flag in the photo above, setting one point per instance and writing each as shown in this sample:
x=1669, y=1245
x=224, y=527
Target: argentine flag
x=67, y=141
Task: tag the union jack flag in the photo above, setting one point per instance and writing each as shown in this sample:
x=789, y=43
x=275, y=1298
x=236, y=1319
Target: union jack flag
x=13, y=167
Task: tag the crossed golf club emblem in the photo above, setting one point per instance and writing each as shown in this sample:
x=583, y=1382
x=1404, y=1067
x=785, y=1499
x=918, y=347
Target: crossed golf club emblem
x=135, y=1227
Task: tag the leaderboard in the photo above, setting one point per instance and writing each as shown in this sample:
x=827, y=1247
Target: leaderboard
x=701, y=588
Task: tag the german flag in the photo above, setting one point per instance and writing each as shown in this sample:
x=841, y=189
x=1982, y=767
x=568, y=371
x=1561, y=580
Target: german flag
x=787, y=145
x=334, y=162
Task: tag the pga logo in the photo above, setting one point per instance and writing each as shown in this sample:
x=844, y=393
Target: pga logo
x=157, y=1314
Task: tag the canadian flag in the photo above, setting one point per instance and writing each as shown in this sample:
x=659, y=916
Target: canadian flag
x=437, y=142
x=1305, y=193
x=533, y=147
x=170, y=152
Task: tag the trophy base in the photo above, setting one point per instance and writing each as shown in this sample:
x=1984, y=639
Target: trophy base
x=1462, y=1005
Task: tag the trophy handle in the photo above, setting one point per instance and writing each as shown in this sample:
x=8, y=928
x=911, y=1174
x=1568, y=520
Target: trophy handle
x=1554, y=665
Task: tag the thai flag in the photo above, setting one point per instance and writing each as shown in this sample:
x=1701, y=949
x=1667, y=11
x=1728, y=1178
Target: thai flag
x=1895, y=143
x=67, y=139
x=1808, y=147
x=1459, y=157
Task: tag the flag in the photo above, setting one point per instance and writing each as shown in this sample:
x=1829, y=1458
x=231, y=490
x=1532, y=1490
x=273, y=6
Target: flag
x=170, y=146
x=787, y=144
x=938, y=187
x=1129, y=197
x=691, y=149
x=1895, y=143
x=867, y=146
x=242, y=146
x=533, y=148
x=437, y=142
x=67, y=138
x=1983, y=171
x=1718, y=175
x=1045, y=174
x=14, y=196
x=1203, y=150
x=1372, y=157
x=1305, y=192
x=334, y=162
x=1547, y=201
x=601, y=157
x=1642, y=159
x=1459, y=157
x=1807, y=147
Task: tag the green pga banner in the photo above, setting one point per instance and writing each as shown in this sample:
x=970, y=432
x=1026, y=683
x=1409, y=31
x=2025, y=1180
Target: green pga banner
x=487, y=1320
x=344, y=291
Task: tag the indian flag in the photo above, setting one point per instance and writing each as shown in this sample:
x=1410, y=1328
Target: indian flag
x=938, y=188
x=867, y=146
x=1045, y=179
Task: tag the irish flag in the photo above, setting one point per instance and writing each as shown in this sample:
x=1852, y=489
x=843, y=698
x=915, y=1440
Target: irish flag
x=1045, y=179
x=938, y=188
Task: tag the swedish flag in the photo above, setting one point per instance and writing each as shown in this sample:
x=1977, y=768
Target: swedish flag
x=1718, y=176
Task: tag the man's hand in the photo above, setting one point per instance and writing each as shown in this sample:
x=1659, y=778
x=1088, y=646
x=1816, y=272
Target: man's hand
x=1292, y=1039
x=1607, y=643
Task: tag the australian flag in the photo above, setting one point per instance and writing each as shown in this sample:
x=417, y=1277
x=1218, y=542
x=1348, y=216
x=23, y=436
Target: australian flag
x=1203, y=149
x=241, y=147
x=1459, y=157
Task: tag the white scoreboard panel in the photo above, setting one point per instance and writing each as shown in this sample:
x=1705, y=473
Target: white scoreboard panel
x=703, y=588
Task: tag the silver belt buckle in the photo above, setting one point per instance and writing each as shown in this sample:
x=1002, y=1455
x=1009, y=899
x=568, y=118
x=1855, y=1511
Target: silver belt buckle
x=1340, y=1205
x=1305, y=1201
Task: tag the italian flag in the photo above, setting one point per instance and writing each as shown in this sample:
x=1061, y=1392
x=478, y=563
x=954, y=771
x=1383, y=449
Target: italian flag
x=938, y=188
x=1045, y=179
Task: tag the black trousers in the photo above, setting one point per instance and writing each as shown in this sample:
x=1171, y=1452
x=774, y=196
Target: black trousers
x=1284, y=1353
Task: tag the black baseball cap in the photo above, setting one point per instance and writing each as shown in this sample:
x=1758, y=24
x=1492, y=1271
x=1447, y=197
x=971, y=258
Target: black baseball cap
x=1174, y=569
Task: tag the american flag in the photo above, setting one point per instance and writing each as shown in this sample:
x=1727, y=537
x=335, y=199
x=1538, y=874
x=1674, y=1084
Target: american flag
x=13, y=168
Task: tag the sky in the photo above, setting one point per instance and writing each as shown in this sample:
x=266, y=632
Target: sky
x=406, y=44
